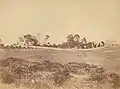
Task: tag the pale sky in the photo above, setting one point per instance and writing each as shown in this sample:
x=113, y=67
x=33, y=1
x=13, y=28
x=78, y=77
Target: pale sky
x=94, y=19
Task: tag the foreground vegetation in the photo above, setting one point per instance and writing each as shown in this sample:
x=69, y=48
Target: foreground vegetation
x=53, y=75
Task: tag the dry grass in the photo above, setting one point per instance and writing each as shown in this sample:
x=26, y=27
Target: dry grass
x=4, y=86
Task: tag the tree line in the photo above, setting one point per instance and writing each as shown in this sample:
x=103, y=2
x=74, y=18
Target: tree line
x=73, y=41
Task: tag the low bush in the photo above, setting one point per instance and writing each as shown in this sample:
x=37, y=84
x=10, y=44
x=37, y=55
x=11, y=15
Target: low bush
x=7, y=78
x=60, y=77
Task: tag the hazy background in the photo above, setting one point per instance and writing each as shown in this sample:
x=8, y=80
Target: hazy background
x=94, y=19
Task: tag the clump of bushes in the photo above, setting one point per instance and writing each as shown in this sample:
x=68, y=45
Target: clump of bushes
x=112, y=78
x=83, y=68
x=60, y=77
x=98, y=77
x=7, y=78
x=21, y=72
x=31, y=74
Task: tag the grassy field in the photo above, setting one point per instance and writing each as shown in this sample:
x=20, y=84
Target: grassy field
x=108, y=58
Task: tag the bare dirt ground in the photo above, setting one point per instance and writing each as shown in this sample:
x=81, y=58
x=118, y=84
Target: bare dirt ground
x=108, y=58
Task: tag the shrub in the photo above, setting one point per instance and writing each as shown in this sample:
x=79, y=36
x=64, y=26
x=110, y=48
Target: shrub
x=114, y=79
x=60, y=77
x=98, y=77
x=7, y=78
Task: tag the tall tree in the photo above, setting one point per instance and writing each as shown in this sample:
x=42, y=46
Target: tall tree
x=103, y=43
x=77, y=37
x=38, y=37
x=77, y=40
x=30, y=40
x=27, y=38
x=34, y=41
x=84, y=40
x=70, y=38
x=47, y=37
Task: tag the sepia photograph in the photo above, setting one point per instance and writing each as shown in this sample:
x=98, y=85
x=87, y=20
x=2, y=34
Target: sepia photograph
x=59, y=44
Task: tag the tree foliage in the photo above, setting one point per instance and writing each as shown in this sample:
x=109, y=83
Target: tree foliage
x=30, y=40
x=75, y=41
